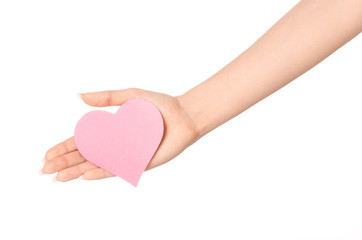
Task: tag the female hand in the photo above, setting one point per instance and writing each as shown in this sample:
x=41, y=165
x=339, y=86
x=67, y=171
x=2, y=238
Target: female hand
x=180, y=131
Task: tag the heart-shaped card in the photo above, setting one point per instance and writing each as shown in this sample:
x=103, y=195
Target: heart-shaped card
x=122, y=143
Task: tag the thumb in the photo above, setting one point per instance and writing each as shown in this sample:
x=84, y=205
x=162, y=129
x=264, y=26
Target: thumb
x=109, y=98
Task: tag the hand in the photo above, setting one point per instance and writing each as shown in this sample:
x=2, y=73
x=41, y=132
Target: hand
x=180, y=131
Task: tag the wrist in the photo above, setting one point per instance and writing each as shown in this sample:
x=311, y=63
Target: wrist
x=192, y=108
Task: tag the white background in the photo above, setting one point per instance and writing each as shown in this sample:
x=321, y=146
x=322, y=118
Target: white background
x=288, y=168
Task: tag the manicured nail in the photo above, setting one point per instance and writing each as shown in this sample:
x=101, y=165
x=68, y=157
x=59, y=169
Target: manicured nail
x=79, y=95
x=41, y=172
x=55, y=179
x=43, y=160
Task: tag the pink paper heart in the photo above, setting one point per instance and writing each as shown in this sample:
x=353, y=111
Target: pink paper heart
x=122, y=143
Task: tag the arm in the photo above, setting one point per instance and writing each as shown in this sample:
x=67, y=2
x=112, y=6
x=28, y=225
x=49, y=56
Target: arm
x=306, y=35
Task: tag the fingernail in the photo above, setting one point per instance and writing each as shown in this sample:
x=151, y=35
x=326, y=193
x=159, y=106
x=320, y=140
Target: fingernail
x=82, y=177
x=55, y=179
x=79, y=95
x=41, y=172
x=43, y=160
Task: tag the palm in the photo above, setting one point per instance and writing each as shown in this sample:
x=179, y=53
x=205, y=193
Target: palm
x=180, y=131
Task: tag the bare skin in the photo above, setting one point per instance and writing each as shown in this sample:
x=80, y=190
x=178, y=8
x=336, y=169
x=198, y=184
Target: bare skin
x=180, y=132
x=306, y=35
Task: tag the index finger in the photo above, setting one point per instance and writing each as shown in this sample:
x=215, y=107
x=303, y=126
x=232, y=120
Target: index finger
x=60, y=149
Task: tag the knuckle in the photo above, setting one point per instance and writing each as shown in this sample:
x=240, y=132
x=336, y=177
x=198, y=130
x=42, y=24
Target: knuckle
x=78, y=155
x=134, y=91
x=109, y=98
x=62, y=147
x=61, y=162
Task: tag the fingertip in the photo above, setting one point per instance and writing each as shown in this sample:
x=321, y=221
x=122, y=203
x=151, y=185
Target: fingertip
x=50, y=154
x=48, y=168
x=46, y=156
x=88, y=98
x=79, y=95
x=44, y=170
x=55, y=179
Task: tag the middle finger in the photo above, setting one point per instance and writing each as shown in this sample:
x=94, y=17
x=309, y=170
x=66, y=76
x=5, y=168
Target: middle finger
x=65, y=161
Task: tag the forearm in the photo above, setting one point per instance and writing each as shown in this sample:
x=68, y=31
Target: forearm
x=306, y=35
